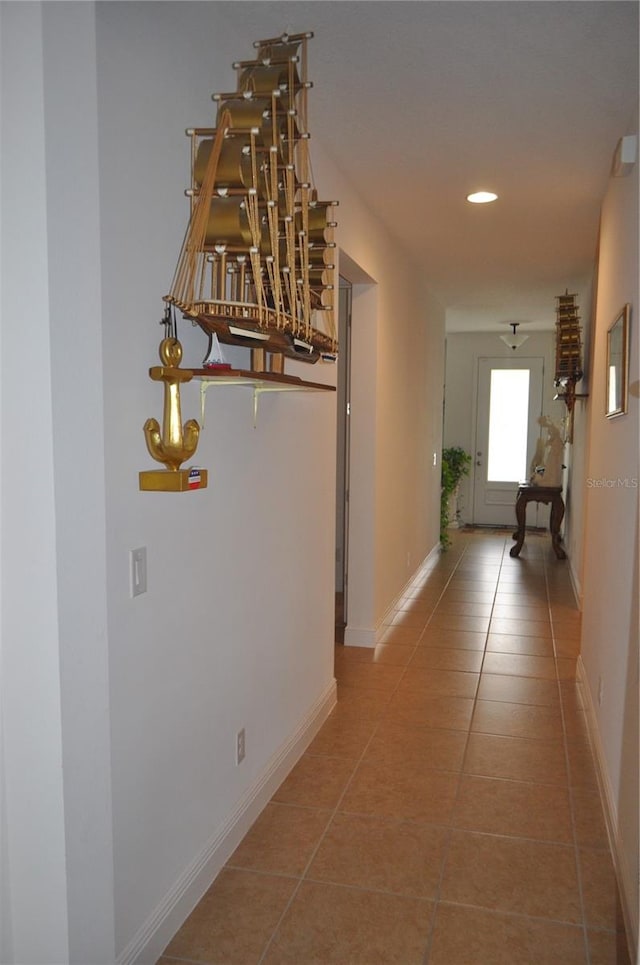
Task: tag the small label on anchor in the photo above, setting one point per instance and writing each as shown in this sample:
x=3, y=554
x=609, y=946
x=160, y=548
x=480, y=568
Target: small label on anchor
x=195, y=479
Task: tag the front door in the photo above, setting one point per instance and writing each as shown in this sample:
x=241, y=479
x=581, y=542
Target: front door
x=509, y=405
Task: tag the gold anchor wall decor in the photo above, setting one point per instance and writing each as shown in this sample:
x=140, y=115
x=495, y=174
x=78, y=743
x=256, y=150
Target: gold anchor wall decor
x=174, y=444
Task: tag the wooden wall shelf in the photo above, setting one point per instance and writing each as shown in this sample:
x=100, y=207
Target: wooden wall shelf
x=260, y=382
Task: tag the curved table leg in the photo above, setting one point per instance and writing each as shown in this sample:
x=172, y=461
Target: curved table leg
x=521, y=517
x=557, y=515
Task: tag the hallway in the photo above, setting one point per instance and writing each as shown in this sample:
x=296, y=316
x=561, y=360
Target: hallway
x=447, y=813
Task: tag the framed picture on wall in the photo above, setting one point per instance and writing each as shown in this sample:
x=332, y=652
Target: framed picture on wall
x=618, y=364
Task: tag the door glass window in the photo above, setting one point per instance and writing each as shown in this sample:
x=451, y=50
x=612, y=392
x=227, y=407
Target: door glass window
x=508, y=421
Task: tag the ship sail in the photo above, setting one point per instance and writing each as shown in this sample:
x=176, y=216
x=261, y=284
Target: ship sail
x=256, y=266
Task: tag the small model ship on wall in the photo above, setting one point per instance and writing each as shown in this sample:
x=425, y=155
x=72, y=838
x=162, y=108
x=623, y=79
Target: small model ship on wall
x=256, y=267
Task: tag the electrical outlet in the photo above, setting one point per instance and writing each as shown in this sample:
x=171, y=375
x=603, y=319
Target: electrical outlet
x=240, y=746
x=138, y=570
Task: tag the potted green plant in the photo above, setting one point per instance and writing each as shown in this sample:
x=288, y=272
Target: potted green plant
x=455, y=464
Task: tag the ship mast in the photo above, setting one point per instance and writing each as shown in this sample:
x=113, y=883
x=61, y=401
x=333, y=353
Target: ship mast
x=256, y=262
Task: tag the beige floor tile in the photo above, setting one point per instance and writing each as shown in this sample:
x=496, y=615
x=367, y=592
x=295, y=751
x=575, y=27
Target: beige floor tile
x=469, y=936
x=565, y=613
x=316, y=782
x=567, y=629
x=464, y=608
x=401, y=791
x=519, y=690
x=566, y=667
x=434, y=786
x=440, y=658
x=572, y=696
x=526, y=810
x=520, y=665
x=608, y=948
x=525, y=584
x=282, y=840
x=405, y=636
x=342, y=737
x=516, y=720
x=591, y=830
x=438, y=683
x=582, y=768
x=451, y=621
x=452, y=713
x=419, y=604
x=575, y=724
x=602, y=908
x=453, y=639
x=217, y=930
x=423, y=747
x=510, y=594
x=512, y=875
x=363, y=704
x=524, y=628
x=453, y=594
x=516, y=758
x=408, y=619
x=381, y=854
x=477, y=568
x=512, y=643
x=368, y=676
x=397, y=655
x=332, y=925
x=518, y=611
x=567, y=648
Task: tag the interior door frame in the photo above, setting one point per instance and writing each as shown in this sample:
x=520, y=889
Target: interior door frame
x=343, y=455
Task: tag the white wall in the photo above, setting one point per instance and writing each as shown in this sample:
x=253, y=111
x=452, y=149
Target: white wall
x=236, y=629
x=610, y=616
x=120, y=715
x=33, y=806
x=397, y=363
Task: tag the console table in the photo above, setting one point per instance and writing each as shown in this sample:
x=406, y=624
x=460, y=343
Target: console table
x=539, y=494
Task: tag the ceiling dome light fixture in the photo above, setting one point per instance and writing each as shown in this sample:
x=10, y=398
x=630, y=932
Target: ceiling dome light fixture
x=482, y=197
x=514, y=340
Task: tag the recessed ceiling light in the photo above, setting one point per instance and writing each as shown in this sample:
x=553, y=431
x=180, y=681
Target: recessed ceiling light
x=482, y=197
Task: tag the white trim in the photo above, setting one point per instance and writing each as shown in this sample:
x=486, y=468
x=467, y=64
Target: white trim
x=608, y=800
x=370, y=636
x=575, y=583
x=159, y=928
x=360, y=637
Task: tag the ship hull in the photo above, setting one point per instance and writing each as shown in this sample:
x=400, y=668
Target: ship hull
x=232, y=327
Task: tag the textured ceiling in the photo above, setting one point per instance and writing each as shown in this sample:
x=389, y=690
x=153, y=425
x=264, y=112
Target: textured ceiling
x=419, y=103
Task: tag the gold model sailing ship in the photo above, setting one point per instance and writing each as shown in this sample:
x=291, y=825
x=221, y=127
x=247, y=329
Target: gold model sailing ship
x=256, y=266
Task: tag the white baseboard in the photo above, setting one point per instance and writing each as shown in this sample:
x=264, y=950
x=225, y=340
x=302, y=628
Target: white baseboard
x=607, y=796
x=359, y=636
x=370, y=636
x=159, y=928
x=425, y=564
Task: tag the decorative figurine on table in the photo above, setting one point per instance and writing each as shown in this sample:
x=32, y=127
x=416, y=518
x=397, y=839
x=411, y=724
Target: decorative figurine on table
x=546, y=465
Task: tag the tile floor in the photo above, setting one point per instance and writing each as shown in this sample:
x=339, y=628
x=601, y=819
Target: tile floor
x=447, y=813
